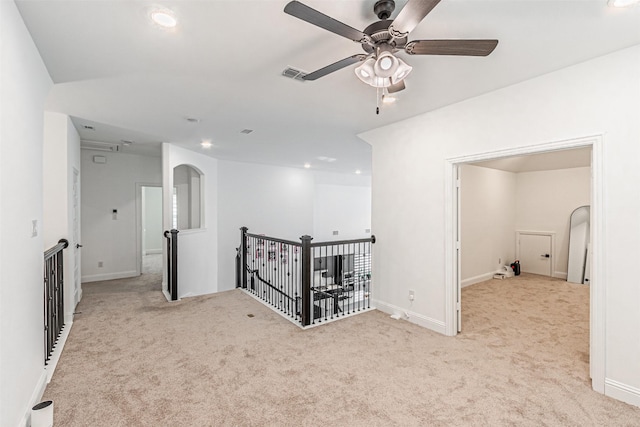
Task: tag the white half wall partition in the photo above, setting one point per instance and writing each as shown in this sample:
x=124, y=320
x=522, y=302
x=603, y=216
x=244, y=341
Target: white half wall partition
x=197, y=247
x=597, y=100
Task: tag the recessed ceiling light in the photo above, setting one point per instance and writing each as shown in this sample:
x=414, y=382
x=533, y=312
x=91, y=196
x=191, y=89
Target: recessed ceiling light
x=358, y=172
x=623, y=3
x=307, y=165
x=326, y=159
x=164, y=18
x=206, y=143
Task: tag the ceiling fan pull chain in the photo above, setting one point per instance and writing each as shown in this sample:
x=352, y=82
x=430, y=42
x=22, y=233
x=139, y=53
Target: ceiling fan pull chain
x=377, y=100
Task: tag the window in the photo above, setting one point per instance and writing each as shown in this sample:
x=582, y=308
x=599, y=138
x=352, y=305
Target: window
x=187, y=196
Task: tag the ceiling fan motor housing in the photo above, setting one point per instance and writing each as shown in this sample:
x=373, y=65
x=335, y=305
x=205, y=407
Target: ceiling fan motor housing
x=384, y=8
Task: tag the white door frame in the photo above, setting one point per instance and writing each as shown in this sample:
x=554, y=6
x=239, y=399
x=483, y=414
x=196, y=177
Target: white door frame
x=597, y=285
x=139, y=214
x=552, y=255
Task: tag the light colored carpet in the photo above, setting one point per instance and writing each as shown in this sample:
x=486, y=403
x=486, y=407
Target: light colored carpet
x=132, y=359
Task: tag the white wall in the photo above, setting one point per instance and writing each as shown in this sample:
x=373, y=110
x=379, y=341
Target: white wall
x=268, y=200
x=545, y=201
x=24, y=85
x=152, y=219
x=487, y=221
x=601, y=96
x=106, y=187
x=197, y=248
x=342, y=208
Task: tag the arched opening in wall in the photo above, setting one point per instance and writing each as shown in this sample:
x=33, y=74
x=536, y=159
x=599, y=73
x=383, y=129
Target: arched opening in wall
x=518, y=203
x=187, y=211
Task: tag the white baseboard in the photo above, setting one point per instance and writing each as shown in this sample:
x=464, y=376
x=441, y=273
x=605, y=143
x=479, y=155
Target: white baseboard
x=109, y=276
x=36, y=396
x=623, y=392
x=476, y=279
x=560, y=275
x=153, y=251
x=418, y=319
x=57, y=350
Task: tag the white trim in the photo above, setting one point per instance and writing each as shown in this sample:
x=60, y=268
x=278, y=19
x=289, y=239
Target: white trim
x=139, y=186
x=598, y=261
x=416, y=318
x=57, y=350
x=38, y=391
x=560, y=275
x=153, y=251
x=621, y=391
x=597, y=288
x=551, y=234
x=451, y=261
x=166, y=294
x=110, y=276
x=477, y=279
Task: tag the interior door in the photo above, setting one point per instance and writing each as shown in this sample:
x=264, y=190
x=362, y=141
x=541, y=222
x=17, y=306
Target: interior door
x=535, y=253
x=76, y=236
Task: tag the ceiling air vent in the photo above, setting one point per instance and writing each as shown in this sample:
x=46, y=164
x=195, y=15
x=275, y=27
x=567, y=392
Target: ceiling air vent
x=100, y=146
x=292, y=73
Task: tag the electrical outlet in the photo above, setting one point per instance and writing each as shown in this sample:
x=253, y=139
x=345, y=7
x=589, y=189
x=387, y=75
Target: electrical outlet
x=499, y=261
x=100, y=264
x=412, y=295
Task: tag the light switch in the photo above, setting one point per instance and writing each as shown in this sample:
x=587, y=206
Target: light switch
x=114, y=214
x=34, y=228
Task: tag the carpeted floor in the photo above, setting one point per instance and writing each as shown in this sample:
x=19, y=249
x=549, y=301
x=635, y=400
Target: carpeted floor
x=132, y=359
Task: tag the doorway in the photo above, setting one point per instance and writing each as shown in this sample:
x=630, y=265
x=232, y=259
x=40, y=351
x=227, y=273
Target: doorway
x=149, y=225
x=453, y=256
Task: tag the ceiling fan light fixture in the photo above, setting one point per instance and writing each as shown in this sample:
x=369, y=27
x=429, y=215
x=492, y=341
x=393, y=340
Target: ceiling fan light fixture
x=386, y=65
x=365, y=71
x=401, y=72
x=388, y=99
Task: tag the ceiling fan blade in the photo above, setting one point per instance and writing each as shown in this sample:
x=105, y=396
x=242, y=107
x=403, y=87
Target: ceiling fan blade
x=312, y=16
x=396, y=87
x=451, y=47
x=410, y=16
x=335, y=67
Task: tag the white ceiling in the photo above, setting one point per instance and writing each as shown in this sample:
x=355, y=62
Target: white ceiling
x=132, y=80
x=561, y=159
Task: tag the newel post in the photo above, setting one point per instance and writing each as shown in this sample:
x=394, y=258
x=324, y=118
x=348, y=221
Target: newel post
x=307, y=299
x=243, y=256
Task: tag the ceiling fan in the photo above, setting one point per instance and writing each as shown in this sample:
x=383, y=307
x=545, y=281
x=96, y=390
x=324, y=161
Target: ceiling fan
x=380, y=67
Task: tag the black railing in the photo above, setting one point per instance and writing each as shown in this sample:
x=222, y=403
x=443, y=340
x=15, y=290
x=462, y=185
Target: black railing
x=53, y=297
x=307, y=282
x=172, y=263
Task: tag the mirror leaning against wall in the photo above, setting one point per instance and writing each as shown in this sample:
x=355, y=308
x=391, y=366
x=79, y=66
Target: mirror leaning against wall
x=187, y=198
x=579, y=240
